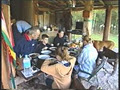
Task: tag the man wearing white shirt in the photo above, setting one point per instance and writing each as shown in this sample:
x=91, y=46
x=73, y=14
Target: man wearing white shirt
x=87, y=58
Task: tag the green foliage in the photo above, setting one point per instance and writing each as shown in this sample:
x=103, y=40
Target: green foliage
x=99, y=19
x=76, y=16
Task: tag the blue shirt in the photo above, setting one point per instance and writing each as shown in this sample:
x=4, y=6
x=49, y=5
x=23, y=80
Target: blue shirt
x=22, y=26
x=86, y=60
x=25, y=47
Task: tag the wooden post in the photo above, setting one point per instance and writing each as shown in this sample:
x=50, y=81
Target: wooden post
x=87, y=27
x=87, y=15
x=6, y=12
x=107, y=23
x=35, y=12
x=4, y=70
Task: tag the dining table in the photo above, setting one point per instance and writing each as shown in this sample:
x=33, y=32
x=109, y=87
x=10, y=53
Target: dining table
x=37, y=60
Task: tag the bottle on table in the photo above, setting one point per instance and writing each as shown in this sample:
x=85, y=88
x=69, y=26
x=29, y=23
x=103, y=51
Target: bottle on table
x=27, y=66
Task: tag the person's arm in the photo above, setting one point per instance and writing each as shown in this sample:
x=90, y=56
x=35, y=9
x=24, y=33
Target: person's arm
x=65, y=38
x=17, y=49
x=38, y=48
x=50, y=69
x=55, y=41
x=82, y=56
x=48, y=45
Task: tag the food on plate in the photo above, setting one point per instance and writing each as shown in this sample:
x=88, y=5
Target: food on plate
x=73, y=45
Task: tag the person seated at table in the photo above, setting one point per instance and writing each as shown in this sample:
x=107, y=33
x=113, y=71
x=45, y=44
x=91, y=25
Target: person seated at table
x=43, y=44
x=27, y=44
x=18, y=28
x=87, y=58
x=60, y=69
x=59, y=40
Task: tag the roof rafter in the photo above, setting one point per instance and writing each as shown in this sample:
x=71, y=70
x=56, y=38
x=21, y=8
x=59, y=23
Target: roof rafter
x=101, y=1
x=61, y=2
x=48, y=3
x=82, y=2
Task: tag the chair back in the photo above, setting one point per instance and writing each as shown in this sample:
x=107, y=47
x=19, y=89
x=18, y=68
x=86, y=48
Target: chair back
x=104, y=59
x=110, y=53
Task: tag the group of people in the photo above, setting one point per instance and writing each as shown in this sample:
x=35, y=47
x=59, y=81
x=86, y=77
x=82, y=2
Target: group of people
x=27, y=41
x=60, y=69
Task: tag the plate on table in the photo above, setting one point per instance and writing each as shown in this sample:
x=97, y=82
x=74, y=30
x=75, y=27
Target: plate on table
x=51, y=58
x=46, y=52
x=53, y=48
x=34, y=55
x=43, y=57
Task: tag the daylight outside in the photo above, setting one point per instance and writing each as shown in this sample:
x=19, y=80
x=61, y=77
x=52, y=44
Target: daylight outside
x=59, y=44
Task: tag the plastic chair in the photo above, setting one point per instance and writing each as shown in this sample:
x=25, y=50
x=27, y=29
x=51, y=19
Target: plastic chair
x=96, y=70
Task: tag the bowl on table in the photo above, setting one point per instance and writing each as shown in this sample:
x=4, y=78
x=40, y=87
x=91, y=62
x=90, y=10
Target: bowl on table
x=53, y=48
x=43, y=57
x=45, y=52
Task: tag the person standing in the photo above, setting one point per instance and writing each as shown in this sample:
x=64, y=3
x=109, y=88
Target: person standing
x=22, y=26
x=18, y=28
x=27, y=44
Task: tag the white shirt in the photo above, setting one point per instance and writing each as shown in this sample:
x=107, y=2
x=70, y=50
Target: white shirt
x=22, y=26
x=86, y=60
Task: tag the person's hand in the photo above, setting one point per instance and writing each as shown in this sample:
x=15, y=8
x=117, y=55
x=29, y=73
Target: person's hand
x=58, y=44
x=53, y=62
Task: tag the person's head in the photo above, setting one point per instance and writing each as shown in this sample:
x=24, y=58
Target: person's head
x=62, y=53
x=86, y=39
x=45, y=38
x=33, y=32
x=61, y=33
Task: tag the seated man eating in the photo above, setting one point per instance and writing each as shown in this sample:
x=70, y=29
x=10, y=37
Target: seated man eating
x=43, y=44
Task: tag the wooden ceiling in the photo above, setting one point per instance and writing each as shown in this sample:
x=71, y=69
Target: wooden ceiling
x=56, y=5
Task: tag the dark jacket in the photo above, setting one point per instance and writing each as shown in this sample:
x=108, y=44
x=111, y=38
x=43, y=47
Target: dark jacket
x=57, y=40
x=40, y=46
x=25, y=47
x=16, y=34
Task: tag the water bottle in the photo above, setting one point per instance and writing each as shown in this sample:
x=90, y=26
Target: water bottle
x=27, y=66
